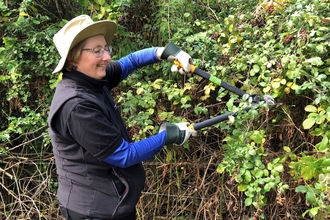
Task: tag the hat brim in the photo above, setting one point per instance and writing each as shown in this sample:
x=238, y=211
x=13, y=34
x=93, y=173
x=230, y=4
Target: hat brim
x=105, y=28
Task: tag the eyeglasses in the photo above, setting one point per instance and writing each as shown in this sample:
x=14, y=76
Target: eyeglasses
x=99, y=50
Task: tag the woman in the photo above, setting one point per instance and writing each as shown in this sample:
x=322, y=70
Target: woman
x=100, y=175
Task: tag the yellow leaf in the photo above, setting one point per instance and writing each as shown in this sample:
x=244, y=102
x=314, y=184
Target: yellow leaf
x=294, y=86
x=169, y=156
x=164, y=115
x=187, y=86
x=22, y=13
x=267, y=89
x=207, y=91
x=287, y=90
x=276, y=83
x=139, y=91
x=157, y=84
x=203, y=98
x=158, y=81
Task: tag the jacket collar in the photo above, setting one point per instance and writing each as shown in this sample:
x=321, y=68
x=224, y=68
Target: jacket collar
x=85, y=81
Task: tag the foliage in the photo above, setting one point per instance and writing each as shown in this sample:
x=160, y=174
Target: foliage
x=283, y=54
x=25, y=57
x=244, y=159
x=291, y=56
x=139, y=105
x=279, y=48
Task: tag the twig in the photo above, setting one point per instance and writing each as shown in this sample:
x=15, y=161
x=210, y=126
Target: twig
x=40, y=136
x=6, y=173
x=208, y=165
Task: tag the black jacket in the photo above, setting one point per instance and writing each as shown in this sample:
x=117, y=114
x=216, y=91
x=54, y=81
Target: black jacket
x=86, y=127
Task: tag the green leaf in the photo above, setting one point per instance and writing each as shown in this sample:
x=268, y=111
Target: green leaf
x=269, y=186
x=3, y=150
x=83, y=2
x=239, y=179
x=231, y=119
x=252, y=152
x=311, y=197
x=287, y=149
x=278, y=168
x=257, y=137
x=314, y=211
x=4, y=137
x=248, y=165
x=326, y=162
x=185, y=99
x=164, y=115
x=315, y=61
x=310, y=108
x=323, y=145
x=221, y=168
x=255, y=69
x=320, y=48
x=139, y=90
x=247, y=176
x=302, y=189
x=308, y=123
x=248, y=201
x=308, y=172
x=157, y=84
x=242, y=187
x=100, y=2
x=258, y=174
x=276, y=83
x=186, y=15
x=169, y=156
x=266, y=172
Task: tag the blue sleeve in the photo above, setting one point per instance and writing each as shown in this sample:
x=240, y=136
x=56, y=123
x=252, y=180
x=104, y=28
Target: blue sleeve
x=137, y=60
x=129, y=154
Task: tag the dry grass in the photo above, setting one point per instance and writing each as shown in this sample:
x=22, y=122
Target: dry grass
x=181, y=184
x=189, y=187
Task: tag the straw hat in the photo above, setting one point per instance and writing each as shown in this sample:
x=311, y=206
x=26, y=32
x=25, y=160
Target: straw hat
x=77, y=30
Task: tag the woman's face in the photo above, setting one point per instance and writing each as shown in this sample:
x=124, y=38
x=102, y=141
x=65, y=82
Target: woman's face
x=94, y=64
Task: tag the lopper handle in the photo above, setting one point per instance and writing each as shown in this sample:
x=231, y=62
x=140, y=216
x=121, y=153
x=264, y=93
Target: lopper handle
x=192, y=67
x=213, y=79
x=211, y=121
